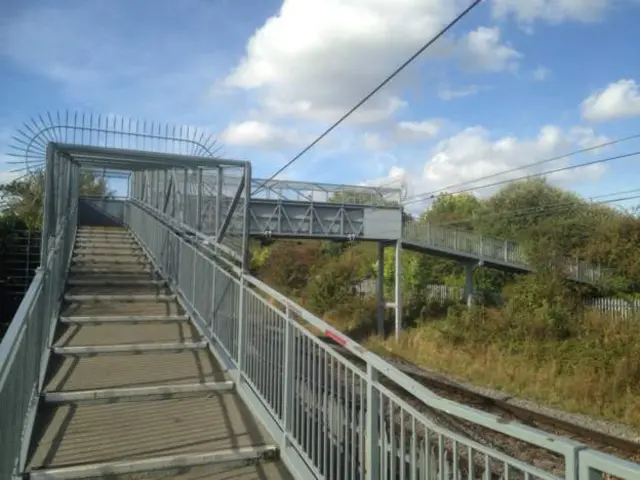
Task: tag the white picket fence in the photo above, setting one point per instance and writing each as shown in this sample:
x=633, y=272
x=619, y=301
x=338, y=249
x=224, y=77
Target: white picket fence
x=615, y=307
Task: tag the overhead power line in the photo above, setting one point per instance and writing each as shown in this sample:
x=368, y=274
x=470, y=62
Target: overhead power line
x=419, y=198
x=370, y=94
x=529, y=165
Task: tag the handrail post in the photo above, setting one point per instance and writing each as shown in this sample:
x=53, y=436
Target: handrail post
x=372, y=430
x=241, y=314
x=287, y=383
x=47, y=221
x=199, y=202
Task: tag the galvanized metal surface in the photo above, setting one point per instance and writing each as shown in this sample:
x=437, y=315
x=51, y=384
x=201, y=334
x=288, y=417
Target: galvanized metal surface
x=342, y=422
x=112, y=411
x=23, y=350
x=497, y=253
x=330, y=419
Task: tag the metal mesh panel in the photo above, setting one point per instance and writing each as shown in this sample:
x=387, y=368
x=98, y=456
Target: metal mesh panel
x=22, y=350
x=347, y=421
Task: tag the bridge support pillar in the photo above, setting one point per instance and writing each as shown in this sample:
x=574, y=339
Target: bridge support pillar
x=468, y=284
x=380, y=289
x=398, y=289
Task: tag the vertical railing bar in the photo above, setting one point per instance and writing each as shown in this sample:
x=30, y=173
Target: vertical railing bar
x=371, y=469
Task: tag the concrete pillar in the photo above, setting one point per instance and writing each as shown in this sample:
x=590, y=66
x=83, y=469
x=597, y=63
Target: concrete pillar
x=468, y=284
x=380, y=289
x=398, y=289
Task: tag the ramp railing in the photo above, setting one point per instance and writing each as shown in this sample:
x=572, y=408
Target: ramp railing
x=331, y=417
x=24, y=350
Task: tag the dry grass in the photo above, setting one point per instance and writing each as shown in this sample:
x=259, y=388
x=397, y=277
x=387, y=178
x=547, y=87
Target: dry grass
x=596, y=372
x=592, y=368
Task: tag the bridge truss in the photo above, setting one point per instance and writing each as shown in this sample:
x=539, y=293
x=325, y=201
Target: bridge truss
x=194, y=214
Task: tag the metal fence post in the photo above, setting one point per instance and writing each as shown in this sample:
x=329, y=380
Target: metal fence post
x=193, y=277
x=287, y=388
x=199, y=202
x=219, y=191
x=372, y=430
x=246, y=257
x=398, y=289
x=241, y=314
x=47, y=222
x=380, y=289
x=185, y=196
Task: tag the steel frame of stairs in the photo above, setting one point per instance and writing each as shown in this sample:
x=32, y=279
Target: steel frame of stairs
x=327, y=418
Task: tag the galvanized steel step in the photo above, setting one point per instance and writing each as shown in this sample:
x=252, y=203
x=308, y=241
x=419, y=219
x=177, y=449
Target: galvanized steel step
x=251, y=454
x=132, y=348
x=125, y=393
x=132, y=319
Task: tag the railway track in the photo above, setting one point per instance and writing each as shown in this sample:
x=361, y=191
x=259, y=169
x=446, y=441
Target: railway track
x=502, y=407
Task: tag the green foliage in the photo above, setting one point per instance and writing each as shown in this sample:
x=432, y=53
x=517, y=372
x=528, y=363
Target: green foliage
x=528, y=334
x=24, y=198
x=457, y=210
x=551, y=223
x=334, y=283
x=289, y=264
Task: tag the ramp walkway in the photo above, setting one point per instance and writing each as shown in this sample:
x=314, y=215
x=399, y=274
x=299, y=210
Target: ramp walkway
x=132, y=386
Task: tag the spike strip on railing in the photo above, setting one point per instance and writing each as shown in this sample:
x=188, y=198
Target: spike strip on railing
x=30, y=141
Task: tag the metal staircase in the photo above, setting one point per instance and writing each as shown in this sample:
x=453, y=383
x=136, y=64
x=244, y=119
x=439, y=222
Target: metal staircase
x=132, y=386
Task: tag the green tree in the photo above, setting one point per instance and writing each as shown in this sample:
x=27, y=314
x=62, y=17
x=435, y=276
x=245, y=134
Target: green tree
x=24, y=198
x=454, y=210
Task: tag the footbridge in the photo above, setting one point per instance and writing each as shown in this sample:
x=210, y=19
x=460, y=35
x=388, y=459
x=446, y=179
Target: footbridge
x=145, y=349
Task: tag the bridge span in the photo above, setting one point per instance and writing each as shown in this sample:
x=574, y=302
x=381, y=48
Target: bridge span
x=145, y=347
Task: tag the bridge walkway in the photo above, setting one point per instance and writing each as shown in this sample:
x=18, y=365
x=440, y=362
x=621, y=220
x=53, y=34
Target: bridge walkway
x=132, y=386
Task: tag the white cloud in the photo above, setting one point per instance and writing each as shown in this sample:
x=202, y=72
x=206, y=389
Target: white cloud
x=423, y=130
x=551, y=11
x=618, y=100
x=373, y=141
x=99, y=54
x=541, y=73
x=315, y=59
x=7, y=176
x=474, y=153
x=482, y=50
x=253, y=133
x=447, y=93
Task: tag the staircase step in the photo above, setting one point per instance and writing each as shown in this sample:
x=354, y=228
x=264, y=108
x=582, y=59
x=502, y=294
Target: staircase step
x=98, y=282
x=97, y=320
x=111, y=271
x=99, y=253
x=132, y=348
x=123, y=288
x=167, y=462
x=114, y=309
x=110, y=260
x=119, y=298
x=132, y=392
x=123, y=245
x=97, y=372
x=105, y=238
x=105, y=255
x=125, y=334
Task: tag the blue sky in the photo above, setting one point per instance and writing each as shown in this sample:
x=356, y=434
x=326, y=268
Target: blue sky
x=513, y=83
